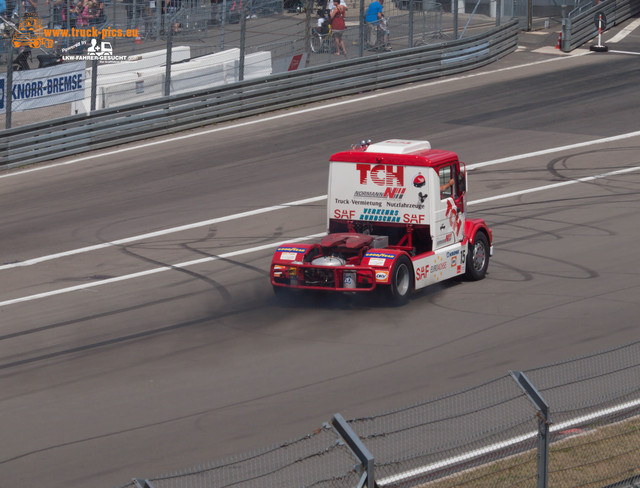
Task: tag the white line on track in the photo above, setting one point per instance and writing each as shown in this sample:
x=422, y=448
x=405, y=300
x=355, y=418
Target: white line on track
x=162, y=232
x=625, y=31
x=148, y=272
x=306, y=201
x=275, y=244
x=556, y=185
x=275, y=117
x=624, y=52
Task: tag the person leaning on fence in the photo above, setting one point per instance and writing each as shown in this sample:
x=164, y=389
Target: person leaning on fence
x=374, y=12
x=338, y=26
x=376, y=32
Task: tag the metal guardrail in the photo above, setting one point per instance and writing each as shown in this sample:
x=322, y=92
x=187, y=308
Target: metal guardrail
x=105, y=128
x=580, y=25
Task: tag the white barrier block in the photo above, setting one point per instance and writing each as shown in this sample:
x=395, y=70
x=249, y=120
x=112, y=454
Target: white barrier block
x=144, y=88
x=257, y=65
x=197, y=79
x=146, y=60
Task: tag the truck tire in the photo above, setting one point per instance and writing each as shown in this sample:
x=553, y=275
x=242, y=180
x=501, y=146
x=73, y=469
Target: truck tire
x=401, y=285
x=478, y=258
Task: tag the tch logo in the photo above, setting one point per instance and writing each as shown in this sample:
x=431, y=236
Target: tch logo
x=381, y=174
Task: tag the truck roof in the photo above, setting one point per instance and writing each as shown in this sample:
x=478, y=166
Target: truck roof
x=397, y=152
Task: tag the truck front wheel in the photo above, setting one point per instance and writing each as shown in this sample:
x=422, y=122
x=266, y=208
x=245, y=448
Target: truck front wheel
x=401, y=281
x=478, y=258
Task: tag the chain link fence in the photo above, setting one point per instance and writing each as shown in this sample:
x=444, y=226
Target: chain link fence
x=75, y=56
x=486, y=436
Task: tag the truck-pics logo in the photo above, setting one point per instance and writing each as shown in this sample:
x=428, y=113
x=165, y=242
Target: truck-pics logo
x=381, y=174
x=30, y=34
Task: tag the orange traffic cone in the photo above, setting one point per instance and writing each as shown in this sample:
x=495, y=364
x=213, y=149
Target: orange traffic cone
x=559, y=40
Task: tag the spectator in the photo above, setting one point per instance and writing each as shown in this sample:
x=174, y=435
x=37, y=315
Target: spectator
x=333, y=6
x=134, y=10
x=57, y=6
x=376, y=27
x=338, y=26
x=82, y=13
x=323, y=25
x=31, y=7
x=374, y=12
x=96, y=12
x=173, y=6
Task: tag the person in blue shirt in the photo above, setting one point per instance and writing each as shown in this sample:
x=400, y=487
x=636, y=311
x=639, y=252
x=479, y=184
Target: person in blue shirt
x=377, y=34
x=374, y=12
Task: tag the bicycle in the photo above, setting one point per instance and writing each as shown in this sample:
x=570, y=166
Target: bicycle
x=321, y=42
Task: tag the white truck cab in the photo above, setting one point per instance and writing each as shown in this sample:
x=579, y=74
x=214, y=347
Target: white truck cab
x=396, y=220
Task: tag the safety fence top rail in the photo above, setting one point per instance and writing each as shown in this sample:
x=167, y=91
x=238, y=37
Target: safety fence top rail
x=79, y=133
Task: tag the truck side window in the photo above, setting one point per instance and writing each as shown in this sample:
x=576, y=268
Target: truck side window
x=447, y=182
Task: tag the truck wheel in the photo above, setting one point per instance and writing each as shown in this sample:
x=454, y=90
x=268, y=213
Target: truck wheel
x=478, y=258
x=401, y=281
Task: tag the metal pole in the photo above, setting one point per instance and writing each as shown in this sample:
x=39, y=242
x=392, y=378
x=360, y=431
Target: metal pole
x=361, y=33
x=358, y=449
x=411, y=23
x=158, y=13
x=455, y=18
x=243, y=36
x=94, y=82
x=498, y=12
x=224, y=19
x=529, y=15
x=566, y=29
x=543, y=425
x=307, y=30
x=167, y=72
x=9, y=89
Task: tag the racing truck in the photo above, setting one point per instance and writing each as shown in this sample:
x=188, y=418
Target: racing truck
x=396, y=222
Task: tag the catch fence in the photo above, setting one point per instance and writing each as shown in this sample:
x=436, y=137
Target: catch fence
x=206, y=45
x=571, y=424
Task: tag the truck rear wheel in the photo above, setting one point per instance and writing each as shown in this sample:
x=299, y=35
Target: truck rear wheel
x=478, y=258
x=401, y=284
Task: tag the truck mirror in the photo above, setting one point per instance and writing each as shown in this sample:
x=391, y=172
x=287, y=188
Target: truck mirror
x=462, y=181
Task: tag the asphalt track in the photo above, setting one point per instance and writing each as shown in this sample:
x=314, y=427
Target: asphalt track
x=138, y=331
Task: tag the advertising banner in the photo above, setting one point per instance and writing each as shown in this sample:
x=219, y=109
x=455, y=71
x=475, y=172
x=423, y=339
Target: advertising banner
x=43, y=87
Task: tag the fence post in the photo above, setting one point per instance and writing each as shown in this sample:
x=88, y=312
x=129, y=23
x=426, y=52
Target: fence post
x=565, y=44
x=167, y=70
x=307, y=31
x=139, y=483
x=243, y=38
x=361, y=28
x=8, y=90
x=94, y=83
x=543, y=425
x=410, y=24
x=358, y=449
x=455, y=18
